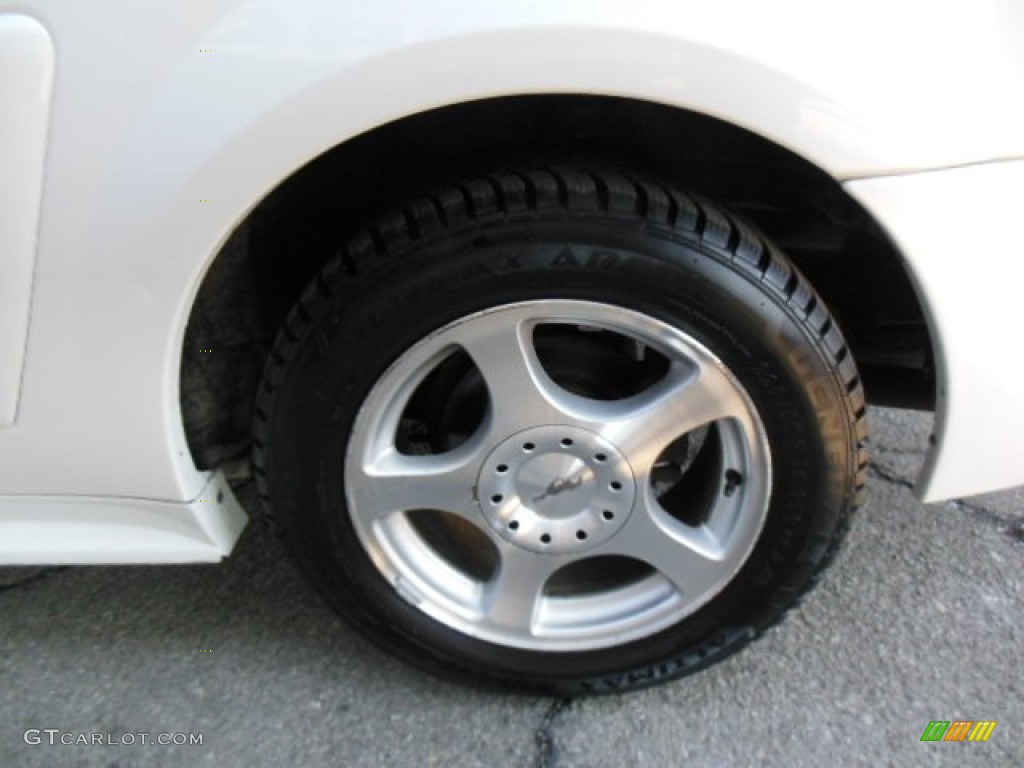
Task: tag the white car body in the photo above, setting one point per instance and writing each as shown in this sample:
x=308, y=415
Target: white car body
x=135, y=137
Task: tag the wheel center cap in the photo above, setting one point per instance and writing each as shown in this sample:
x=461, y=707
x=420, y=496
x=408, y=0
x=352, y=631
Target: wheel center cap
x=555, y=485
x=556, y=489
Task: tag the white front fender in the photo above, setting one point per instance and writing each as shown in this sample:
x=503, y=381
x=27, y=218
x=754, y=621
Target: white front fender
x=959, y=230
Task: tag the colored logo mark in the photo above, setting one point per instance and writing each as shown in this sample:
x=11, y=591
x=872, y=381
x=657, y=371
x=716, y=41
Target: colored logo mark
x=958, y=730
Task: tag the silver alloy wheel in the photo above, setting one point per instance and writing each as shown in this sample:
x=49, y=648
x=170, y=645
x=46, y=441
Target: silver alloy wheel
x=552, y=478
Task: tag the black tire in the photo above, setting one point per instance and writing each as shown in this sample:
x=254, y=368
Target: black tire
x=576, y=236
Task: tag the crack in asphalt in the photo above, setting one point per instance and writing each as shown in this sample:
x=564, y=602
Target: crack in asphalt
x=544, y=738
x=1008, y=526
x=32, y=578
x=882, y=473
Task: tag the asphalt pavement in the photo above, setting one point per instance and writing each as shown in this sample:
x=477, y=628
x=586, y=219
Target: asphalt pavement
x=920, y=619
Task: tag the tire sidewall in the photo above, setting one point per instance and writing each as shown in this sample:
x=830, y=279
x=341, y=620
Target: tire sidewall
x=353, y=338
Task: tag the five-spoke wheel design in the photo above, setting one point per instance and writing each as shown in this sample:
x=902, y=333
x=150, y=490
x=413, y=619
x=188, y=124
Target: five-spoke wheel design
x=558, y=507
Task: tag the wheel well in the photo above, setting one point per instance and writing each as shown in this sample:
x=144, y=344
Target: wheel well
x=277, y=249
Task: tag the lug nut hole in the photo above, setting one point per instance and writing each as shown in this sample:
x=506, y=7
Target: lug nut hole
x=496, y=498
x=733, y=480
x=599, y=457
x=513, y=525
x=615, y=485
x=581, y=535
x=608, y=515
x=566, y=442
x=502, y=469
x=545, y=538
x=528, y=447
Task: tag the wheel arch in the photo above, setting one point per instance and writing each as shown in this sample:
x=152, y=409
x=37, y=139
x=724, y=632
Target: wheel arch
x=280, y=244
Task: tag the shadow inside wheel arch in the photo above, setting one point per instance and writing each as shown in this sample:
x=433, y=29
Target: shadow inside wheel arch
x=249, y=289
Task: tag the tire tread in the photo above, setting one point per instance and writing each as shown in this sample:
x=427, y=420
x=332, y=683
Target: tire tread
x=655, y=206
